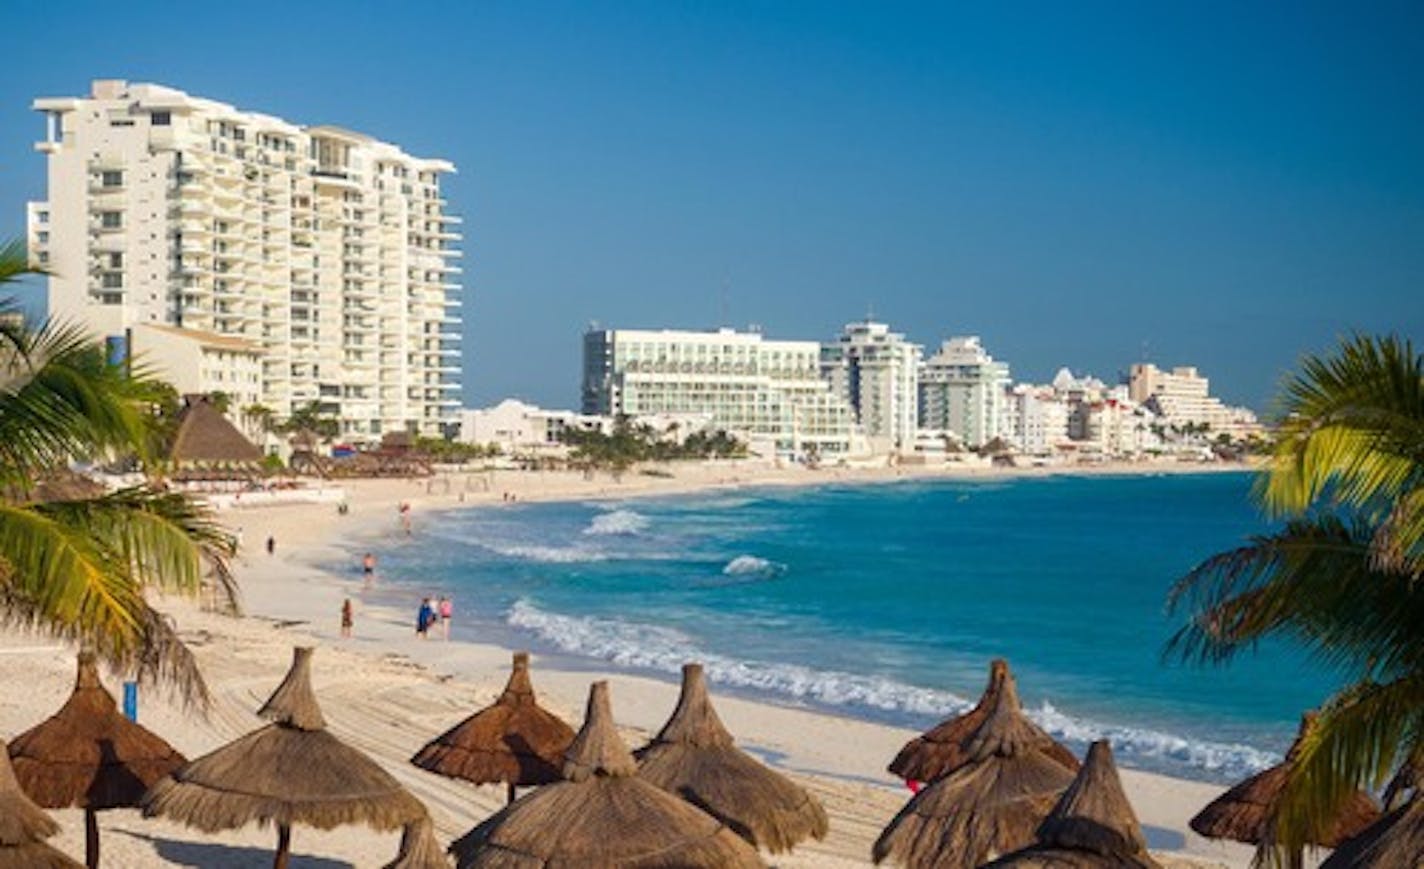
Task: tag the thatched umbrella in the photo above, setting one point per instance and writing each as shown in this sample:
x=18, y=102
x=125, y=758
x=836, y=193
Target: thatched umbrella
x=513, y=740
x=24, y=826
x=602, y=814
x=290, y=772
x=943, y=748
x=1395, y=840
x=419, y=849
x=1091, y=827
x=693, y=757
x=89, y=756
x=1247, y=812
x=1007, y=777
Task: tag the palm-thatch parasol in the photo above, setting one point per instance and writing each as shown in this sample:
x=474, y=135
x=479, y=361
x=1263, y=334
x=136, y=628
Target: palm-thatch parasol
x=1008, y=775
x=1395, y=840
x=942, y=749
x=514, y=740
x=1091, y=827
x=24, y=826
x=1247, y=812
x=89, y=756
x=693, y=757
x=419, y=849
x=602, y=814
x=290, y=772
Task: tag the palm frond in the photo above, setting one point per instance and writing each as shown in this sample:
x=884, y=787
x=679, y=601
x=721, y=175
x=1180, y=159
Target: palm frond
x=1316, y=581
x=1352, y=428
x=169, y=541
x=1356, y=742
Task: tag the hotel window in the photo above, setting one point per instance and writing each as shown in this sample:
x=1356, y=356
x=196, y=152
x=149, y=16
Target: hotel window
x=112, y=178
x=111, y=219
x=42, y=237
x=42, y=216
x=111, y=281
x=116, y=260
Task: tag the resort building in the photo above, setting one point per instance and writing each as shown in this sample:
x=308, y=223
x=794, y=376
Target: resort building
x=962, y=391
x=516, y=427
x=751, y=387
x=1035, y=419
x=876, y=372
x=1118, y=427
x=204, y=363
x=1182, y=397
x=328, y=252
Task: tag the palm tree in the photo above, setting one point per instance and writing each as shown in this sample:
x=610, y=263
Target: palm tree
x=78, y=567
x=1341, y=577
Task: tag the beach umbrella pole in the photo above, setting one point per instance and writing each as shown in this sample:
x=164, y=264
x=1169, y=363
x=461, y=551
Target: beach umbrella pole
x=91, y=838
x=284, y=846
x=511, y=787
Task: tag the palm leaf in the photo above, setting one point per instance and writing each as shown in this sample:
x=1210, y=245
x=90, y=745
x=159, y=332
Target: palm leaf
x=1358, y=739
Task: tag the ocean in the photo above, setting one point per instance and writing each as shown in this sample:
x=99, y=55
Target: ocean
x=887, y=601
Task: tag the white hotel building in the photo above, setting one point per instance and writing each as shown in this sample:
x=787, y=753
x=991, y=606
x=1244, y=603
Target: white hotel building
x=749, y=386
x=876, y=372
x=322, y=255
x=962, y=390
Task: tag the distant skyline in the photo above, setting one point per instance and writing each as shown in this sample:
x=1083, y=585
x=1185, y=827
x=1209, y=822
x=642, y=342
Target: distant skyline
x=1226, y=186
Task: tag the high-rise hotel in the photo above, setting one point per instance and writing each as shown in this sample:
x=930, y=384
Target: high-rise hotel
x=746, y=384
x=283, y=263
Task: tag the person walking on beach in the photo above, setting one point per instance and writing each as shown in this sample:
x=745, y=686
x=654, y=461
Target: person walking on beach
x=368, y=567
x=271, y=544
x=423, y=617
x=346, y=619
x=446, y=609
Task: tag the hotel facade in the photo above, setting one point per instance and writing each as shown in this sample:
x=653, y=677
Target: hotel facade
x=764, y=390
x=320, y=258
x=876, y=372
x=962, y=390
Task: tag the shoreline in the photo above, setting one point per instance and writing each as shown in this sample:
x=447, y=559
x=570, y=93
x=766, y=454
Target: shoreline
x=387, y=692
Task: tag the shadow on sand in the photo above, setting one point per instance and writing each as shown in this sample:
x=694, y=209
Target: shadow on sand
x=212, y=855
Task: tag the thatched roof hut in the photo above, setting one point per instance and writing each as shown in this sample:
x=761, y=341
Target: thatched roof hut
x=24, y=826
x=206, y=437
x=944, y=748
x=513, y=740
x=1091, y=827
x=1008, y=775
x=290, y=772
x=602, y=814
x=1395, y=840
x=1247, y=812
x=693, y=756
x=89, y=756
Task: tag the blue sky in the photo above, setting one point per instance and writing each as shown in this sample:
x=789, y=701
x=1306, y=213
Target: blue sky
x=1227, y=185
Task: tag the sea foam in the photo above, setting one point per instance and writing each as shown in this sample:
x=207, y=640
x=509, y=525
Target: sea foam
x=752, y=567
x=663, y=649
x=617, y=522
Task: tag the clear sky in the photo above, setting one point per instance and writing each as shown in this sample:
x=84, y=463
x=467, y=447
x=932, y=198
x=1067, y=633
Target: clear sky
x=1221, y=185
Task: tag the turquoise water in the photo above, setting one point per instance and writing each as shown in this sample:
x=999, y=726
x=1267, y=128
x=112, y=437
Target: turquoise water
x=887, y=601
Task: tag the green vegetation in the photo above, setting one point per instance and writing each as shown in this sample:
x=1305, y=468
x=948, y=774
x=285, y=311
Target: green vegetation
x=630, y=444
x=454, y=452
x=309, y=425
x=1342, y=576
x=75, y=565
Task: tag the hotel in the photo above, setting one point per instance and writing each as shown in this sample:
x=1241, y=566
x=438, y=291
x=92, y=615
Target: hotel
x=876, y=372
x=962, y=391
x=319, y=258
x=759, y=389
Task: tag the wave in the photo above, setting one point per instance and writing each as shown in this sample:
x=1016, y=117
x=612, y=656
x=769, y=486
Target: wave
x=549, y=554
x=653, y=647
x=617, y=522
x=752, y=566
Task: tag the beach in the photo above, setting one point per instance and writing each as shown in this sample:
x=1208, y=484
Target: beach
x=387, y=692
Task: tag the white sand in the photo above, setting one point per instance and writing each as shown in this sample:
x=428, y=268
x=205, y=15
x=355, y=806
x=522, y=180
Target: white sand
x=388, y=693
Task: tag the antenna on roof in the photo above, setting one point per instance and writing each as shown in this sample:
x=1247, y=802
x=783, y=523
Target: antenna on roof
x=726, y=319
